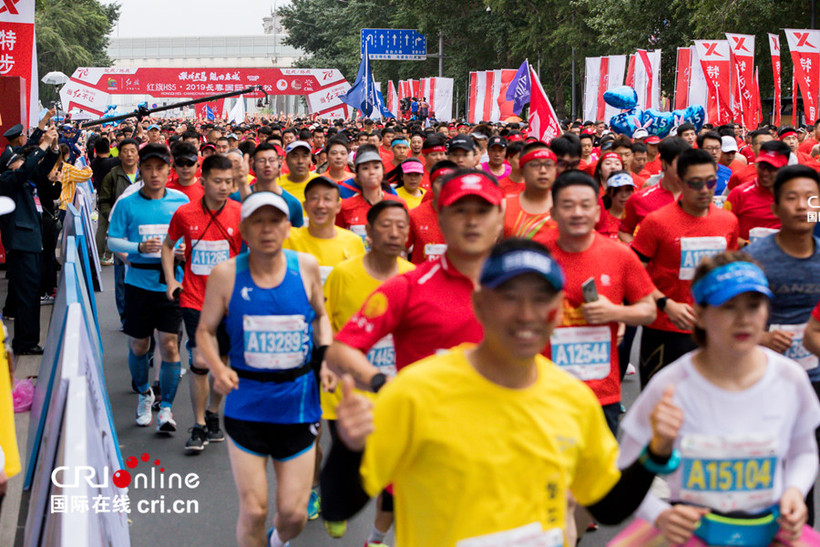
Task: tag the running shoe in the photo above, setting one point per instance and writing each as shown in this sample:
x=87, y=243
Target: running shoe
x=144, y=415
x=336, y=529
x=165, y=421
x=215, y=434
x=46, y=300
x=198, y=440
x=630, y=369
x=157, y=395
x=314, y=504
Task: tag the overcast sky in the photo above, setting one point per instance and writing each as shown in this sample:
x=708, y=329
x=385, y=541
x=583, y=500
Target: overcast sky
x=158, y=18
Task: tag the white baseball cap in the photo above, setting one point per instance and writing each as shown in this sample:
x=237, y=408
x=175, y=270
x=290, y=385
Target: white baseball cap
x=728, y=144
x=262, y=199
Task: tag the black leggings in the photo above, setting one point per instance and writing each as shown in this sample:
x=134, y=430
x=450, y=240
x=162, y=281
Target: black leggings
x=659, y=348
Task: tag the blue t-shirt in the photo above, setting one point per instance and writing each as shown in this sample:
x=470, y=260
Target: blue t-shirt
x=795, y=283
x=295, y=208
x=723, y=174
x=349, y=188
x=138, y=218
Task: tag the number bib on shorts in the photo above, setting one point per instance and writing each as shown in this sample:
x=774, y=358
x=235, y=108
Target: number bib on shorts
x=733, y=473
x=797, y=351
x=695, y=249
x=584, y=352
x=275, y=342
x=434, y=250
x=760, y=233
x=207, y=254
x=152, y=231
x=529, y=535
x=383, y=356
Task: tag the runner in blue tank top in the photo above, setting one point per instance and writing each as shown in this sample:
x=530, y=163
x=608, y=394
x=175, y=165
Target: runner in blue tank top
x=273, y=306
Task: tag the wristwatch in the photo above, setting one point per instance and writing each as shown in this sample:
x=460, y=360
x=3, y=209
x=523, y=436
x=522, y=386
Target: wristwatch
x=377, y=382
x=661, y=302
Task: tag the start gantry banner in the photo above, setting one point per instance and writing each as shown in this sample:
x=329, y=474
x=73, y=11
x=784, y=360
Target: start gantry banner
x=90, y=88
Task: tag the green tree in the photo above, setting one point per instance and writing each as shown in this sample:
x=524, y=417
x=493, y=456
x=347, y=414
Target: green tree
x=70, y=34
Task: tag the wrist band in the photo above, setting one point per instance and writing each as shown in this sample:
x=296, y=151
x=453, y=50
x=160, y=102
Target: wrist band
x=645, y=459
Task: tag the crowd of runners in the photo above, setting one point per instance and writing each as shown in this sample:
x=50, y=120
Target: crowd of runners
x=455, y=306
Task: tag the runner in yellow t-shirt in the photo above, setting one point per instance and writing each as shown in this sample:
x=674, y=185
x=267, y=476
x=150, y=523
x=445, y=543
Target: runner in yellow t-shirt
x=409, y=182
x=298, y=159
x=491, y=439
x=9, y=455
x=321, y=237
x=346, y=289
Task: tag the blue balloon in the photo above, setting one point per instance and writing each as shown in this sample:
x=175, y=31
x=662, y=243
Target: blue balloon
x=624, y=97
x=626, y=123
x=696, y=115
x=658, y=123
x=679, y=116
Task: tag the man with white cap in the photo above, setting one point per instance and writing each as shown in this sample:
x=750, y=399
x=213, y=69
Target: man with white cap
x=728, y=151
x=272, y=302
x=298, y=157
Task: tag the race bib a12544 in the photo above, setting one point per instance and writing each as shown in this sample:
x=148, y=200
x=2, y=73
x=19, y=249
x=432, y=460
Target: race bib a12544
x=584, y=352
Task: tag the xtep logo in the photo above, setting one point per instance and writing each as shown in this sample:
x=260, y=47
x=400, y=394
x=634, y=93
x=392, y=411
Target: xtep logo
x=65, y=477
x=739, y=40
x=775, y=44
x=8, y=5
x=710, y=48
x=802, y=39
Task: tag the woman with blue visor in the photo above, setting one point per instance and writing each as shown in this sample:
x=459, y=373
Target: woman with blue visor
x=746, y=454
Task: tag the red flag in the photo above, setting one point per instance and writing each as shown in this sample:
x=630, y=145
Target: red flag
x=603, y=86
x=543, y=123
x=714, y=58
x=774, y=46
x=683, y=77
x=805, y=49
x=742, y=47
x=17, y=48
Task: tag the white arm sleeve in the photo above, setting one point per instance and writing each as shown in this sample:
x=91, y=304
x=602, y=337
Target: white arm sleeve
x=122, y=245
x=800, y=469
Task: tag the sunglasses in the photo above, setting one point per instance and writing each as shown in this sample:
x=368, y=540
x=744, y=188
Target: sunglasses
x=699, y=184
x=184, y=163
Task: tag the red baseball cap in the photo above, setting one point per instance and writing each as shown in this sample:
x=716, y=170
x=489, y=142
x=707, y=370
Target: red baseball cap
x=772, y=158
x=652, y=139
x=474, y=183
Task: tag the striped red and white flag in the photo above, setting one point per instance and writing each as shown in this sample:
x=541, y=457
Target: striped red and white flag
x=488, y=91
x=602, y=74
x=392, y=98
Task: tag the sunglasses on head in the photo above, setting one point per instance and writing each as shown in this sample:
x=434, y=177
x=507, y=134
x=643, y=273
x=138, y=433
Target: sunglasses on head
x=698, y=184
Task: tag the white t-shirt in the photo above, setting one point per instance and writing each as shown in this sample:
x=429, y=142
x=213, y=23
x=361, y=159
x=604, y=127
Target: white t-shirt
x=740, y=449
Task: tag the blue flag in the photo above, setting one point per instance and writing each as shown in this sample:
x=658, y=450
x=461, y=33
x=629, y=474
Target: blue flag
x=385, y=113
x=519, y=89
x=362, y=95
x=209, y=114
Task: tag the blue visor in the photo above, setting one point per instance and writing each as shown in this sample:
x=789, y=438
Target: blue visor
x=724, y=283
x=501, y=268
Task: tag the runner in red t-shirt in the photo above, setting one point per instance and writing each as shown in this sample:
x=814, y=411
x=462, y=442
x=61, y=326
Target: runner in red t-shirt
x=749, y=172
x=656, y=196
x=426, y=242
x=653, y=165
x=369, y=174
x=185, y=167
x=209, y=227
x=586, y=343
x=514, y=182
x=433, y=151
x=671, y=242
x=430, y=308
x=337, y=152
x=527, y=214
x=811, y=336
x=623, y=147
x=619, y=188
x=789, y=136
x=752, y=202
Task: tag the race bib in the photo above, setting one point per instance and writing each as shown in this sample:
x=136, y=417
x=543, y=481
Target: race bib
x=359, y=230
x=719, y=201
x=152, y=231
x=730, y=473
x=584, y=352
x=695, y=249
x=324, y=271
x=434, y=250
x=797, y=351
x=37, y=204
x=207, y=254
x=760, y=233
x=383, y=356
x=275, y=342
x=530, y=535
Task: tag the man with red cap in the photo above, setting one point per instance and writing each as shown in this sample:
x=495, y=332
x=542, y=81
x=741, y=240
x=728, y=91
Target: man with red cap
x=653, y=165
x=752, y=202
x=749, y=173
x=429, y=308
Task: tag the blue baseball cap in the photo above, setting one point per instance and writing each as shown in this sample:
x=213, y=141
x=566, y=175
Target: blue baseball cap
x=153, y=126
x=725, y=282
x=501, y=267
